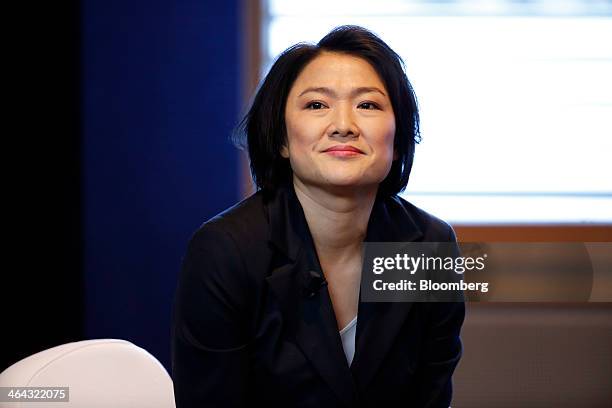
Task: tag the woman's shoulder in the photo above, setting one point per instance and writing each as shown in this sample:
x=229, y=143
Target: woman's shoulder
x=433, y=228
x=245, y=221
x=230, y=249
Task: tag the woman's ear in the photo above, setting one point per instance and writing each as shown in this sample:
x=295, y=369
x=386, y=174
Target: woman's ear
x=284, y=151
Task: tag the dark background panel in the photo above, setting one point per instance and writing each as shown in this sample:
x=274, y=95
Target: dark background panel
x=41, y=274
x=124, y=110
x=160, y=97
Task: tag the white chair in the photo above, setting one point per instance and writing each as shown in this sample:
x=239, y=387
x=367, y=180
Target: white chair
x=107, y=373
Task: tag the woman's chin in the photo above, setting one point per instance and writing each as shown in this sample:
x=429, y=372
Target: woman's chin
x=341, y=180
x=347, y=183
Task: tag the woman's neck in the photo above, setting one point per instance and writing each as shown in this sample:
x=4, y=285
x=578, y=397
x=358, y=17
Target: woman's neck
x=338, y=220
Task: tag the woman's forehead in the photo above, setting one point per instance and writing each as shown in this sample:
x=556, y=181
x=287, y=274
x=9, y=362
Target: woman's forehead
x=334, y=70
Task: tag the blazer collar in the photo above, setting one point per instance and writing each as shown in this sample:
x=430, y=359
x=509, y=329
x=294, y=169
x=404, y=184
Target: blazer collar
x=298, y=283
x=288, y=227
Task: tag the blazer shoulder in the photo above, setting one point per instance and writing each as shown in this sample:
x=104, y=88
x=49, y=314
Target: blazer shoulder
x=245, y=222
x=434, y=229
x=226, y=255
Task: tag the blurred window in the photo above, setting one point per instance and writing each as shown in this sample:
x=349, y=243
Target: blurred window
x=515, y=99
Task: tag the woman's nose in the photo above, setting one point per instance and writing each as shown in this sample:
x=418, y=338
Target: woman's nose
x=343, y=122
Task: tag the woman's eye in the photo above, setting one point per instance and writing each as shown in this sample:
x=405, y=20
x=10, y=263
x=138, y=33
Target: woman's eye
x=314, y=106
x=369, y=105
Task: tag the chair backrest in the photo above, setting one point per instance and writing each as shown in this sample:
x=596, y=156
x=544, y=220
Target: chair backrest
x=99, y=373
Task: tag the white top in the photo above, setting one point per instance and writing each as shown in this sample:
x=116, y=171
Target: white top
x=348, y=339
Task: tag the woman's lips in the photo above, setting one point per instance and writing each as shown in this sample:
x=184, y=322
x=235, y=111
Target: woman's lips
x=343, y=151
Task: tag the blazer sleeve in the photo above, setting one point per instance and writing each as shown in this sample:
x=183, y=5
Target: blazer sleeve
x=442, y=350
x=209, y=347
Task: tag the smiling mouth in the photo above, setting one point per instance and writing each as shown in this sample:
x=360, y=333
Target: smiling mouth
x=343, y=151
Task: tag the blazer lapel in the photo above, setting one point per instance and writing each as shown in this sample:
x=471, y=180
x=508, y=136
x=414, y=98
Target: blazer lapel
x=378, y=323
x=298, y=283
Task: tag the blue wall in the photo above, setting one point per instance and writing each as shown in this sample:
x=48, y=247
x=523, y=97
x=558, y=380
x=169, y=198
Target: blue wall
x=160, y=96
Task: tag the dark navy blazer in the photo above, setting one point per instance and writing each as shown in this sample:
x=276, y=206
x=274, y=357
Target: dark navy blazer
x=254, y=324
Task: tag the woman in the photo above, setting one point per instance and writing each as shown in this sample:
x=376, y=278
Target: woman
x=268, y=307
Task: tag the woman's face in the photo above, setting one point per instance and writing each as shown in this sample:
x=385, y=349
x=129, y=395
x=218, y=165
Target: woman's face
x=340, y=124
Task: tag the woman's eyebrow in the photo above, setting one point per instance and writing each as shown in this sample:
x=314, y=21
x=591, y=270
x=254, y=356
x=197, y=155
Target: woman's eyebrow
x=354, y=92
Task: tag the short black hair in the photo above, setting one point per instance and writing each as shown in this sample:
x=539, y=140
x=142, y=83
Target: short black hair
x=263, y=130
